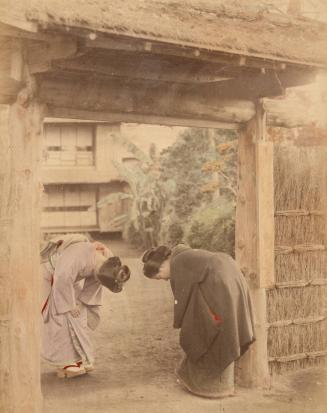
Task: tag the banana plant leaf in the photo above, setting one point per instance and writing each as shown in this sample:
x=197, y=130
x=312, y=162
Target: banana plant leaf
x=131, y=147
x=121, y=219
x=112, y=198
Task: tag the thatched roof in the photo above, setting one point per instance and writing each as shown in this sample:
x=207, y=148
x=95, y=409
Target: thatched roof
x=241, y=27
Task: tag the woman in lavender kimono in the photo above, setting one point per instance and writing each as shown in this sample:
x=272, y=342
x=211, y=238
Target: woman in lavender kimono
x=73, y=277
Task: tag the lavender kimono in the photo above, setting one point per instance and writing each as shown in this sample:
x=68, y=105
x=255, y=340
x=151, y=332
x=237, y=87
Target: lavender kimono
x=69, y=280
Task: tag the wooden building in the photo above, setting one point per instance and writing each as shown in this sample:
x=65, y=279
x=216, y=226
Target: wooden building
x=78, y=171
x=198, y=63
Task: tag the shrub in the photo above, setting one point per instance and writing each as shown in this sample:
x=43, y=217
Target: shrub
x=175, y=234
x=213, y=228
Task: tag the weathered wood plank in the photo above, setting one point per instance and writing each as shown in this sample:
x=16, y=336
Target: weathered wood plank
x=247, y=87
x=150, y=103
x=16, y=22
x=255, y=205
x=111, y=117
x=19, y=278
x=265, y=226
x=16, y=61
x=108, y=42
x=6, y=277
x=147, y=67
x=8, y=30
x=142, y=98
x=254, y=244
x=11, y=71
x=41, y=54
x=289, y=112
x=225, y=120
x=9, y=88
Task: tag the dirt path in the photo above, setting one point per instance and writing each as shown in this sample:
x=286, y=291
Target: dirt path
x=137, y=350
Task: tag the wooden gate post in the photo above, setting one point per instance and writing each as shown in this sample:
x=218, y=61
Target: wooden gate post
x=20, y=128
x=254, y=246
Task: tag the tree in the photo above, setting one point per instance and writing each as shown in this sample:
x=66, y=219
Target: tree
x=148, y=196
x=182, y=165
x=202, y=166
x=224, y=165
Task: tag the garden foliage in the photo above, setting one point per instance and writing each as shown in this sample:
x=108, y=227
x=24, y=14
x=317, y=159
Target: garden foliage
x=200, y=208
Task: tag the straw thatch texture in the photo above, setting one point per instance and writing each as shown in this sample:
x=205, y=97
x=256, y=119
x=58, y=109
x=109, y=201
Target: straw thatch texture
x=296, y=303
x=284, y=367
x=309, y=338
x=297, y=307
x=301, y=266
x=228, y=26
x=300, y=205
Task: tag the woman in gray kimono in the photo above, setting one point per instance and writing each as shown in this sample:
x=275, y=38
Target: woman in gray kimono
x=74, y=274
x=212, y=310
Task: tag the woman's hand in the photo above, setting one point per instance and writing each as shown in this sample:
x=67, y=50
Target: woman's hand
x=75, y=312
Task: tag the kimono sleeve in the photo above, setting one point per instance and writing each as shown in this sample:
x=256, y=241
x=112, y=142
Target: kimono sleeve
x=91, y=293
x=63, y=286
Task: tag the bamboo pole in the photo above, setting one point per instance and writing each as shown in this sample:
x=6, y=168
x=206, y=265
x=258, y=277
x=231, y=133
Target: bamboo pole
x=299, y=356
x=299, y=283
x=301, y=248
x=298, y=321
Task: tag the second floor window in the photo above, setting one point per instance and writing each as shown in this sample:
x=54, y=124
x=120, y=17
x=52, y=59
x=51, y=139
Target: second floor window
x=68, y=145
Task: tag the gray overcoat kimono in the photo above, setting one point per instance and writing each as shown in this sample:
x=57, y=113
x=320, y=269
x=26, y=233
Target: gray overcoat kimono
x=213, y=310
x=69, y=280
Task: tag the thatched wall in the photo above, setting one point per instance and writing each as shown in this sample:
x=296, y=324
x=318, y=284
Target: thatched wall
x=297, y=306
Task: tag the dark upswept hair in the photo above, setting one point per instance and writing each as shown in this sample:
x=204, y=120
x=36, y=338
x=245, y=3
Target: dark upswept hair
x=153, y=258
x=125, y=273
x=109, y=272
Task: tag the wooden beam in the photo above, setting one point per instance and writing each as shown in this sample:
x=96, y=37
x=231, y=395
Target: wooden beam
x=130, y=104
x=11, y=73
x=254, y=82
x=135, y=102
x=255, y=203
x=5, y=58
x=145, y=67
x=116, y=42
x=10, y=31
x=41, y=54
x=16, y=22
x=247, y=87
x=263, y=84
x=65, y=113
x=6, y=277
x=142, y=98
x=9, y=88
x=254, y=244
x=291, y=77
x=16, y=61
x=158, y=48
x=290, y=112
x=265, y=237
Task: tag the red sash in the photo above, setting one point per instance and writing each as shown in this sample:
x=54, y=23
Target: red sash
x=47, y=300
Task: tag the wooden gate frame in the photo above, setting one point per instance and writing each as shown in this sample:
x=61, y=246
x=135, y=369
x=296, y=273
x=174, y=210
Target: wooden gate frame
x=30, y=95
